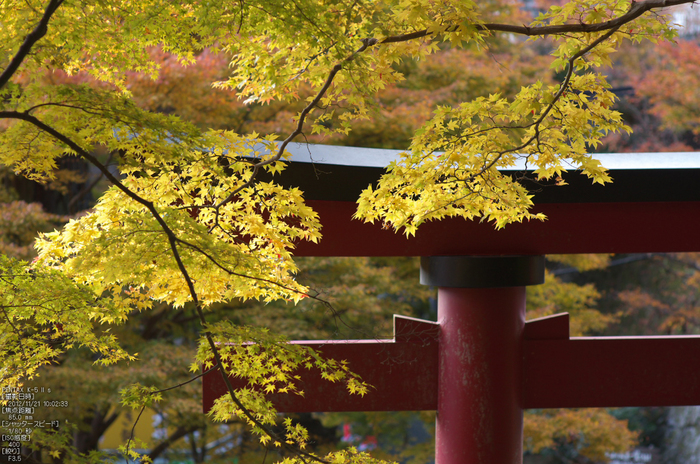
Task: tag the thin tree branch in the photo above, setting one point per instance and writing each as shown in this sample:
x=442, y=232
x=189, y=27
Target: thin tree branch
x=160, y=448
x=636, y=10
x=173, y=241
x=366, y=43
x=19, y=334
x=186, y=381
x=557, y=96
x=32, y=38
x=537, y=124
x=214, y=261
x=131, y=436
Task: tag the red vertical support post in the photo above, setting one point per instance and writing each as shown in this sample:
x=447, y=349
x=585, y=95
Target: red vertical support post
x=481, y=312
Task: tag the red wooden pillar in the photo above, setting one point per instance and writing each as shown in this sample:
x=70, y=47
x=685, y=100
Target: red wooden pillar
x=481, y=312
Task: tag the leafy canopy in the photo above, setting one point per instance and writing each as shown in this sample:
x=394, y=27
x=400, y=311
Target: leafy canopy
x=187, y=221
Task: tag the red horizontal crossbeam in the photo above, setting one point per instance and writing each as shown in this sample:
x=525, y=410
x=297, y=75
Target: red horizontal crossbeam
x=403, y=372
x=558, y=371
x=563, y=372
x=644, y=227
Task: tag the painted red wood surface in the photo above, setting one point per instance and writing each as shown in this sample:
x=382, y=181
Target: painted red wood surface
x=479, y=416
x=612, y=372
x=557, y=371
x=579, y=372
x=403, y=371
x=570, y=228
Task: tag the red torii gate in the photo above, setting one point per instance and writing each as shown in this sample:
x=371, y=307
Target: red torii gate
x=481, y=364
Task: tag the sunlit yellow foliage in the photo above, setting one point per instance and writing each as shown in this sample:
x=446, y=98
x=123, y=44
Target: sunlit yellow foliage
x=189, y=222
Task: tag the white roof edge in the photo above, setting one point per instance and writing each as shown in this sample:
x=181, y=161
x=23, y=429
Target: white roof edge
x=343, y=156
x=380, y=157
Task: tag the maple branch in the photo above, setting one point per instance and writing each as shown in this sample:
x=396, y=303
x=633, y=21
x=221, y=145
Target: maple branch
x=185, y=382
x=131, y=436
x=24, y=116
x=32, y=38
x=20, y=335
x=366, y=43
x=557, y=96
x=173, y=241
x=177, y=434
x=327, y=304
x=636, y=10
x=537, y=124
x=311, y=59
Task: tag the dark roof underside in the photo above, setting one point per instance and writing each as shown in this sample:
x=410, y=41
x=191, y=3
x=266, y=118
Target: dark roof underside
x=653, y=205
